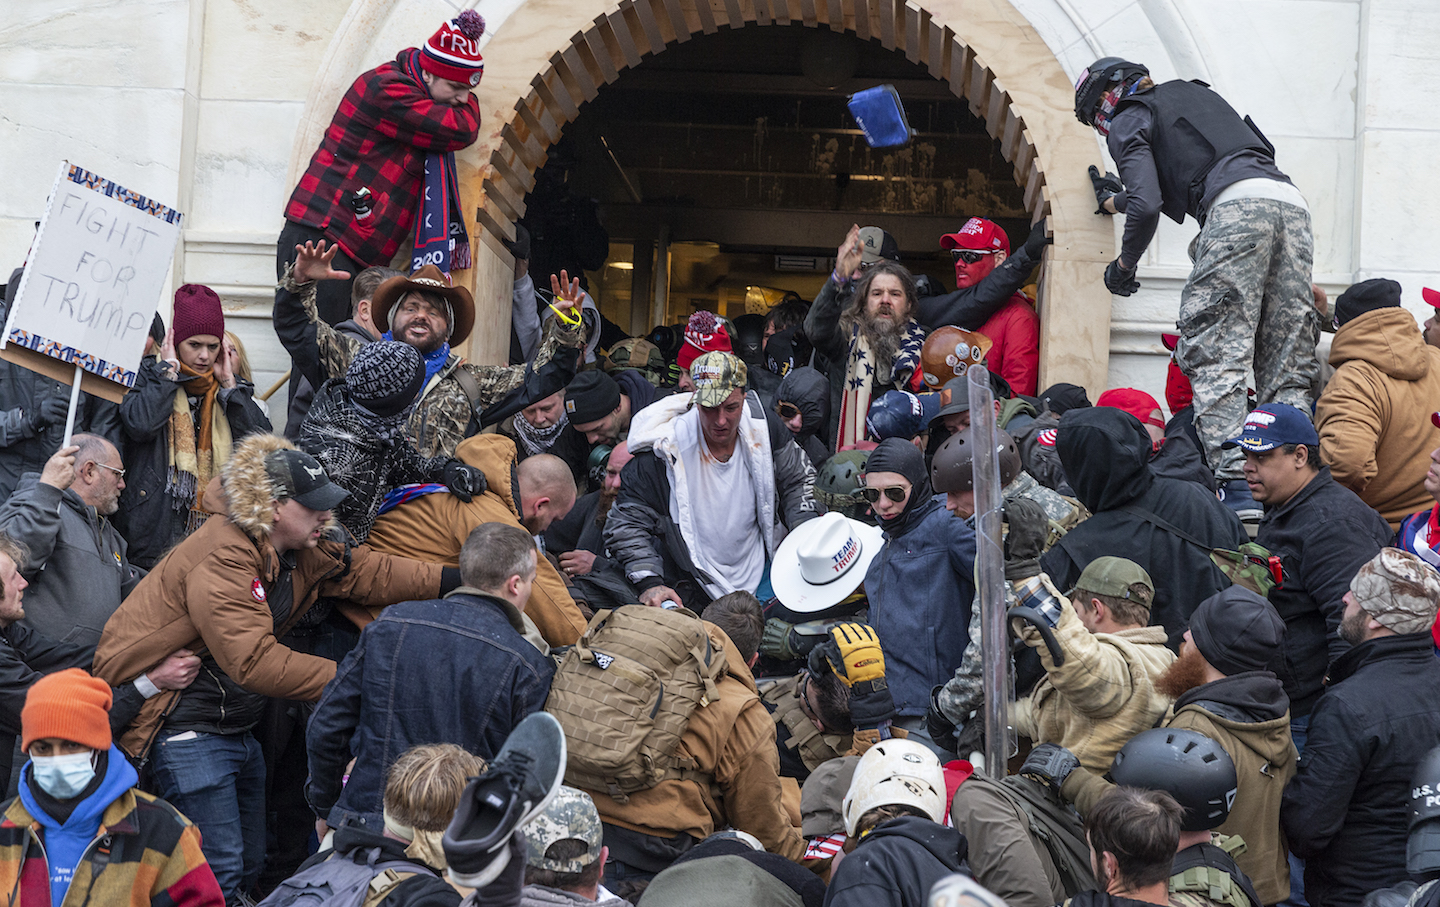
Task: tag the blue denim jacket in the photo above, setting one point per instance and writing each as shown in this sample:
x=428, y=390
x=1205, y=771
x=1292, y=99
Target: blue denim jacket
x=451, y=670
x=920, y=588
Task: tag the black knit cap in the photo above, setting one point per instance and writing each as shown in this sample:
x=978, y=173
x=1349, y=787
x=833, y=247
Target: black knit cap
x=591, y=396
x=1057, y=398
x=1366, y=296
x=1237, y=631
x=385, y=377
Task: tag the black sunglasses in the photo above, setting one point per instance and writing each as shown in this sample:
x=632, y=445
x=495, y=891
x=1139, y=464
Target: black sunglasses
x=895, y=493
x=969, y=256
x=787, y=410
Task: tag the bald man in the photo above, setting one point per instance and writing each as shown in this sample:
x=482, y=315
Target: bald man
x=434, y=526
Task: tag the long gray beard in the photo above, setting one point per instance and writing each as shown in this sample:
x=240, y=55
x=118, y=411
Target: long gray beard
x=884, y=338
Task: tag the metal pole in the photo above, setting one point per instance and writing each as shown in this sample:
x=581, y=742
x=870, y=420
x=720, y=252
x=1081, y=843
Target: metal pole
x=990, y=573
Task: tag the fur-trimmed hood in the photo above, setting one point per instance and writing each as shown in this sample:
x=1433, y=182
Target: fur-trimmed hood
x=244, y=491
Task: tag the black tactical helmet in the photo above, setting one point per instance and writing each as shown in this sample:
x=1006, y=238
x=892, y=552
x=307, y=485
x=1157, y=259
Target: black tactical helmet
x=1188, y=766
x=1422, y=852
x=1096, y=79
x=837, y=486
x=951, y=469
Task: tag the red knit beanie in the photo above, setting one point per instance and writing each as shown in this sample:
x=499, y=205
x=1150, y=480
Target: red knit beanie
x=197, y=311
x=70, y=705
x=453, y=52
x=703, y=334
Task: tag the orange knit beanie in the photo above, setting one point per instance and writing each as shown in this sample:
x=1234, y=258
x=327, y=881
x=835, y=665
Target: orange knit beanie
x=70, y=705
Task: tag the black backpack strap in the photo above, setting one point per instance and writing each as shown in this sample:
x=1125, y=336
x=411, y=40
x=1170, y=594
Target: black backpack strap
x=1166, y=525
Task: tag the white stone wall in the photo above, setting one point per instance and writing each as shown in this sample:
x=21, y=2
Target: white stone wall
x=201, y=104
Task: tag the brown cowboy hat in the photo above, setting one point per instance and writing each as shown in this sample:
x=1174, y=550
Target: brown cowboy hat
x=428, y=279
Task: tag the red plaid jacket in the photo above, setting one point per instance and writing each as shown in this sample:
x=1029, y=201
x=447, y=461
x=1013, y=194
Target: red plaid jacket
x=382, y=130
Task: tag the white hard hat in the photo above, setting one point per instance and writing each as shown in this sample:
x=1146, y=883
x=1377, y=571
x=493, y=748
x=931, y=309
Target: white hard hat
x=895, y=772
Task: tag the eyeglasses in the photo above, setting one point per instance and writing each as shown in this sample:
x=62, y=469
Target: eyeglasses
x=804, y=696
x=787, y=410
x=970, y=256
x=895, y=493
x=120, y=473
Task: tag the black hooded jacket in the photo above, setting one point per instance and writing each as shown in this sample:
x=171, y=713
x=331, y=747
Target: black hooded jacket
x=810, y=392
x=896, y=865
x=1167, y=526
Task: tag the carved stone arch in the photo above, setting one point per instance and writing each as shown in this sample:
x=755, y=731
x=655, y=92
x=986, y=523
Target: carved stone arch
x=549, y=58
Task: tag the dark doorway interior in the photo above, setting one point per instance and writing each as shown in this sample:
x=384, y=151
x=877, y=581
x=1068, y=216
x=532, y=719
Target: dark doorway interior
x=727, y=169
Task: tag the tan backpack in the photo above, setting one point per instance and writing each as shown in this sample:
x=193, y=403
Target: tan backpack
x=625, y=693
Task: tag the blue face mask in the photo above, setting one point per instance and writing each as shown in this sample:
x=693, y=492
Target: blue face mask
x=63, y=777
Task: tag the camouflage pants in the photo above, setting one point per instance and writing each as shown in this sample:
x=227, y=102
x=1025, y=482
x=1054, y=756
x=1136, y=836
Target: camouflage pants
x=1247, y=311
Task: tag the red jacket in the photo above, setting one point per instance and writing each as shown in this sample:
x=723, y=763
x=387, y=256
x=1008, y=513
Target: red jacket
x=382, y=130
x=1015, y=332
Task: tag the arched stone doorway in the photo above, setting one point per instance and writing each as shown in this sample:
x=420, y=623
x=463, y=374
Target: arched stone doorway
x=552, y=56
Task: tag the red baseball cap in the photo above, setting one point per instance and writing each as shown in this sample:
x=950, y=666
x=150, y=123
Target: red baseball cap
x=1431, y=296
x=979, y=234
x=1170, y=340
x=1135, y=402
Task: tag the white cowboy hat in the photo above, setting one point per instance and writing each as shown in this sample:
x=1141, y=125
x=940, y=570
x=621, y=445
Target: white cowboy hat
x=822, y=561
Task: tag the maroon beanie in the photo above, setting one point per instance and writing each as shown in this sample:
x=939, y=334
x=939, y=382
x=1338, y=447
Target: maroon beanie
x=197, y=311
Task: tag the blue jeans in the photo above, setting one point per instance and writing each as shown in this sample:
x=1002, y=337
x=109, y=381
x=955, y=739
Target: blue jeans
x=1299, y=732
x=218, y=782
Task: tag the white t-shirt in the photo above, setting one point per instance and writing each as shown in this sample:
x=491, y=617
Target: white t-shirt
x=722, y=496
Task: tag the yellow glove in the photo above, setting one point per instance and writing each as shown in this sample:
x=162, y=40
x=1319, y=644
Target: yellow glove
x=861, y=658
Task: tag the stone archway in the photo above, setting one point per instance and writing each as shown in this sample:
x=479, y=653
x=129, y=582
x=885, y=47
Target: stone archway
x=550, y=57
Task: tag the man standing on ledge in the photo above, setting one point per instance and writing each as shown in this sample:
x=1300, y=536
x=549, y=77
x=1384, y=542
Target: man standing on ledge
x=1247, y=306
x=387, y=163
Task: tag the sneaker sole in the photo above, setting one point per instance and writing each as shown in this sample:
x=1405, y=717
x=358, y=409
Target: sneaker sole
x=555, y=786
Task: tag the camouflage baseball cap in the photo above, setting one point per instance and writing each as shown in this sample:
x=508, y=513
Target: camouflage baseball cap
x=636, y=352
x=1398, y=589
x=571, y=815
x=1114, y=576
x=715, y=376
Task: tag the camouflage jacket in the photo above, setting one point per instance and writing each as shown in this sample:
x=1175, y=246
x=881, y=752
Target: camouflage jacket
x=965, y=692
x=444, y=413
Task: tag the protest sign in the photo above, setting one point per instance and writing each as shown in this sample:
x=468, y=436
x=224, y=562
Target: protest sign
x=95, y=275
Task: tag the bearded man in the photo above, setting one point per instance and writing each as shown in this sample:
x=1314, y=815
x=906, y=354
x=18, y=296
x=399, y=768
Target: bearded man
x=863, y=321
x=579, y=538
x=1221, y=690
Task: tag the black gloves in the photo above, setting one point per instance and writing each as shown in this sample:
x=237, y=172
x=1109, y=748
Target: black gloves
x=1120, y=281
x=1106, y=187
x=940, y=728
x=52, y=410
x=1036, y=242
x=1029, y=528
x=464, y=481
x=1051, y=763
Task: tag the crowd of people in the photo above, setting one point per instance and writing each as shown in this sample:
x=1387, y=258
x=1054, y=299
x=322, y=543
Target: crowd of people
x=694, y=617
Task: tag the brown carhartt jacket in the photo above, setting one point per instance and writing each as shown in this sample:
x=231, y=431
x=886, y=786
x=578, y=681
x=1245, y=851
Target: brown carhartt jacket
x=733, y=742
x=434, y=527
x=210, y=593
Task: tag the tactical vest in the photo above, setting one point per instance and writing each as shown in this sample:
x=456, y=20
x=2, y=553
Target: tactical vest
x=1193, y=128
x=812, y=746
x=1211, y=872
